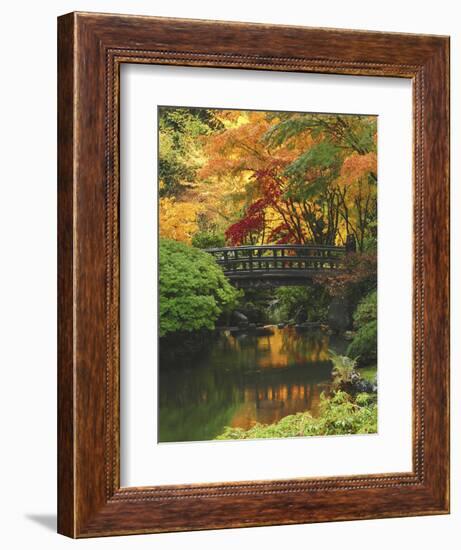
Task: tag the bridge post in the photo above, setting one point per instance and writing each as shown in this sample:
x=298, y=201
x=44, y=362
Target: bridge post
x=351, y=244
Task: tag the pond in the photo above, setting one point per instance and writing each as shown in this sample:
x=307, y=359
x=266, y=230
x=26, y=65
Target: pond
x=243, y=378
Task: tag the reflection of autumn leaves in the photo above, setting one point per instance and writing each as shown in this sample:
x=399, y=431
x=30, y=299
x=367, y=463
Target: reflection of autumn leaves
x=285, y=347
x=271, y=403
x=310, y=347
x=242, y=381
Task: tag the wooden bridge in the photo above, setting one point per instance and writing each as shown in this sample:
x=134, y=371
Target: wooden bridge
x=277, y=265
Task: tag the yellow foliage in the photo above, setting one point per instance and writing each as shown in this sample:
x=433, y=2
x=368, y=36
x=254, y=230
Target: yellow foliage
x=178, y=219
x=238, y=168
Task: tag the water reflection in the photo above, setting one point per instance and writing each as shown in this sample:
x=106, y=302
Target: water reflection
x=241, y=379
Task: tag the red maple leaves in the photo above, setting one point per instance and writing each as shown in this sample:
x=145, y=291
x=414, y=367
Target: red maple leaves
x=252, y=226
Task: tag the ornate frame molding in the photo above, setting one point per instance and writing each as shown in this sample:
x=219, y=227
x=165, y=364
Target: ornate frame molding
x=91, y=50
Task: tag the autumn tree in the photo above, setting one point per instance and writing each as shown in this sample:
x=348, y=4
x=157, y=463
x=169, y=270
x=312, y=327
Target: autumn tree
x=303, y=178
x=179, y=149
x=351, y=142
x=259, y=177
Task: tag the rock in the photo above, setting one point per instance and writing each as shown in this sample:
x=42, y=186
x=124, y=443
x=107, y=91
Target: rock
x=339, y=316
x=355, y=378
x=301, y=316
x=312, y=324
x=239, y=318
x=263, y=331
x=308, y=325
x=365, y=386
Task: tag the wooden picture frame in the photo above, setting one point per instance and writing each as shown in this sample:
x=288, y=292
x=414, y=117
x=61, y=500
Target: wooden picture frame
x=92, y=48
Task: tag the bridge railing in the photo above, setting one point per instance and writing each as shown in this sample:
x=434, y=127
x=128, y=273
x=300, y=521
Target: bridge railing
x=278, y=258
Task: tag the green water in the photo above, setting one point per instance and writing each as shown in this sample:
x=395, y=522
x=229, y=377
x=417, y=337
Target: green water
x=240, y=379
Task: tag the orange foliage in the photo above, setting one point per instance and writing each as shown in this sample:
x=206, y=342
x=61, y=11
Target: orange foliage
x=243, y=189
x=357, y=166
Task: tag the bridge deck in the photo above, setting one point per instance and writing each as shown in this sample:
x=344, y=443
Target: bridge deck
x=278, y=264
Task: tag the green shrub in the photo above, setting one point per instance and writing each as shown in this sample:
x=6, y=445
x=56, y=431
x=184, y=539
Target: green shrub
x=208, y=239
x=255, y=304
x=193, y=289
x=343, y=369
x=339, y=415
x=367, y=310
x=369, y=374
x=364, y=345
x=312, y=301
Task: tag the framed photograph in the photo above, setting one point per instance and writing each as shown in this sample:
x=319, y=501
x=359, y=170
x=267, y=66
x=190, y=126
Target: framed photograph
x=253, y=275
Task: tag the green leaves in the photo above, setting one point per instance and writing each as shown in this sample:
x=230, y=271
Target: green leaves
x=301, y=190
x=193, y=289
x=343, y=369
x=208, y=239
x=364, y=344
x=341, y=414
x=321, y=155
x=312, y=172
x=179, y=131
x=367, y=310
x=313, y=300
x=287, y=129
